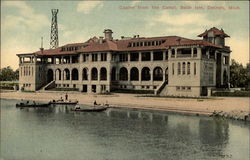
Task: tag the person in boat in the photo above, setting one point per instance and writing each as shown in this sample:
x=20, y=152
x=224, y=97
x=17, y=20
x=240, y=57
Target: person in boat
x=77, y=107
x=27, y=102
x=61, y=99
x=34, y=102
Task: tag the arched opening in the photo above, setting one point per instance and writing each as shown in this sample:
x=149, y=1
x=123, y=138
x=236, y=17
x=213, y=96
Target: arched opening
x=113, y=74
x=50, y=75
x=134, y=74
x=75, y=74
x=66, y=74
x=94, y=74
x=183, y=68
x=58, y=74
x=145, y=74
x=166, y=75
x=188, y=67
x=158, y=74
x=123, y=74
x=85, y=74
x=103, y=74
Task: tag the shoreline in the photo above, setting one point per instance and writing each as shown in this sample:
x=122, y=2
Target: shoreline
x=230, y=106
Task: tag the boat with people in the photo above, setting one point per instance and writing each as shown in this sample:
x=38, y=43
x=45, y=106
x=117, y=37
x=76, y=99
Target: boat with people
x=73, y=102
x=65, y=101
x=97, y=108
x=33, y=104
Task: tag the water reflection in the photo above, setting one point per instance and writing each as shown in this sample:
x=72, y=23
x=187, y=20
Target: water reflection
x=59, y=133
x=214, y=133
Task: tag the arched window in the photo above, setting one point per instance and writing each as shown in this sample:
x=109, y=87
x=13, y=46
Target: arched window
x=183, y=68
x=145, y=74
x=123, y=74
x=188, y=68
x=94, y=74
x=66, y=74
x=179, y=68
x=75, y=74
x=113, y=74
x=58, y=74
x=85, y=74
x=103, y=74
x=158, y=74
x=50, y=75
x=134, y=74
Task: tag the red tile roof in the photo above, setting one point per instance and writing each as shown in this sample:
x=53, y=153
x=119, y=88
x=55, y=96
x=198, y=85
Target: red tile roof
x=94, y=45
x=216, y=32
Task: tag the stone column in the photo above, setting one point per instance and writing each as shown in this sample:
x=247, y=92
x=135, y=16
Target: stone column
x=151, y=56
x=169, y=53
x=140, y=57
x=164, y=75
x=164, y=55
x=70, y=59
x=62, y=60
x=199, y=54
x=151, y=75
x=129, y=55
x=80, y=58
x=192, y=52
x=175, y=55
x=139, y=75
x=128, y=74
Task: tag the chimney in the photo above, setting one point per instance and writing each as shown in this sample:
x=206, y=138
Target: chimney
x=108, y=34
x=41, y=49
x=100, y=40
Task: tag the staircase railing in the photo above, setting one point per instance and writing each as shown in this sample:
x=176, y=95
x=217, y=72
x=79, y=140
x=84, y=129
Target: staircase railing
x=49, y=85
x=160, y=88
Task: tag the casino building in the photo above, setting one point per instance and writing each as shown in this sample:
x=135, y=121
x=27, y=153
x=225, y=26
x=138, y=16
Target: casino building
x=167, y=65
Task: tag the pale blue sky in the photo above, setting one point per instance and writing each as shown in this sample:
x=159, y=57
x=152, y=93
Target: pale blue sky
x=24, y=22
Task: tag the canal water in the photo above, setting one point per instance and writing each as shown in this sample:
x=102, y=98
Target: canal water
x=56, y=133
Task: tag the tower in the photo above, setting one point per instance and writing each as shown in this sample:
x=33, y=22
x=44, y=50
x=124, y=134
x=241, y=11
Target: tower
x=54, y=43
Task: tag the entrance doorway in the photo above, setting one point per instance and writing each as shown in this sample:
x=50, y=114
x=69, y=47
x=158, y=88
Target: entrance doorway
x=94, y=88
x=85, y=88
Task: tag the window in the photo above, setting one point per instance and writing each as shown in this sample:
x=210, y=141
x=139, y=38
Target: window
x=188, y=68
x=103, y=56
x=113, y=57
x=194, y=68
x=158, y=56
x=85, y=57
x=146, y=56
x=134, y=56
x=172, y=68
x=183, y=68
x=182, y=88
x=123, y=57
x=179, y=68
x=173, y=53
x=195, y=52
x=177, y=88
x=94, y=57
x=189, y=88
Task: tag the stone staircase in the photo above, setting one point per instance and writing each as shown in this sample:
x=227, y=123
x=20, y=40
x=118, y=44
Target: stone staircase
x=50, y=85
x=161, y=88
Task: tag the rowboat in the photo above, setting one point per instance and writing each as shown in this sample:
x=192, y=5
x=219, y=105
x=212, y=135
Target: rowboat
x=31, y=105
x=94, y=109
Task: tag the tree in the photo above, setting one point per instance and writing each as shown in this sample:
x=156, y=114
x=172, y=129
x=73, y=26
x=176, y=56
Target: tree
x=238, y=74
x=8, y=74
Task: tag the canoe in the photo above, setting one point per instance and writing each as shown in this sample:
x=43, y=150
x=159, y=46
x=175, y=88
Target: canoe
x=25, y=105
x=96, y=109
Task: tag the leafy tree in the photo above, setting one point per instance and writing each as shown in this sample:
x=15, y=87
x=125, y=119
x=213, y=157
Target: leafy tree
x=8, y=74
x=238, y=74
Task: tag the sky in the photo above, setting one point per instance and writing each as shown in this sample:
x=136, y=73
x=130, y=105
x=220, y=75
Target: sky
x=23, y=23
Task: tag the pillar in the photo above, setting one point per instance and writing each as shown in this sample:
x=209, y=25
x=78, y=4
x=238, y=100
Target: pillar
x=175, y=55
x=192, y=52
x=151, y=55
x=129, y=56
x=164, y=55
x=199, y=53
x=140, y=56
x=128, y=74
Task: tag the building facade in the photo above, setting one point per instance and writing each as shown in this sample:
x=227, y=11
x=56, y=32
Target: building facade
x=168, y=65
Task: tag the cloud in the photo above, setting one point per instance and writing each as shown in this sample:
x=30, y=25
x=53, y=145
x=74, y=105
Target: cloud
x=25, y=16
x=87, y=6
x=183, y=19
